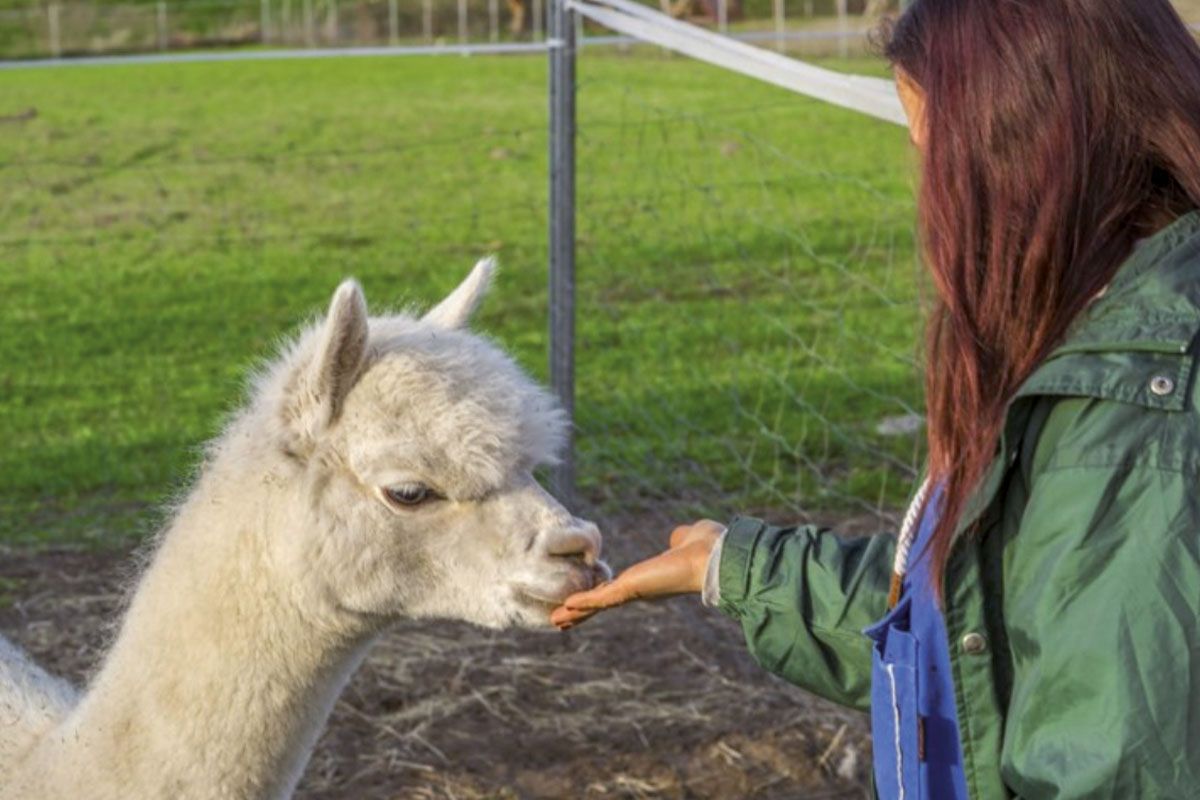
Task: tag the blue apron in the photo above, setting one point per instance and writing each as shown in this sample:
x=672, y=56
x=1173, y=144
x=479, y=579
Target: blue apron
x=914, y=724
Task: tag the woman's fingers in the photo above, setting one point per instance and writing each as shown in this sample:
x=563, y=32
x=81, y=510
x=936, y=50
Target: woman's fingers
x=606, y=595
x=564, y=617
x=664, y=574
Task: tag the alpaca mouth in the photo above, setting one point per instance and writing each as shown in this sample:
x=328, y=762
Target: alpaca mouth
x=603, y=573
x=580, y=580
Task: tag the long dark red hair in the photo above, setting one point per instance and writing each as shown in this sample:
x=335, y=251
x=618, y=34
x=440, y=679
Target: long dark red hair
x=1058, y=133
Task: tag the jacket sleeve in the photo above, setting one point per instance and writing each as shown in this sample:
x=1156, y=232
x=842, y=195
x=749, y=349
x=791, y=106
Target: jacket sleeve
x=803, y=596
x=1102, y=613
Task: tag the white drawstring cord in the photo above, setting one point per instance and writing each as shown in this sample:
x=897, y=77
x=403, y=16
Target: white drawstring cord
x=904, y=543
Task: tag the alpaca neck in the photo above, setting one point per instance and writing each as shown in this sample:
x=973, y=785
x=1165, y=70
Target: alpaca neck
x=217, y=685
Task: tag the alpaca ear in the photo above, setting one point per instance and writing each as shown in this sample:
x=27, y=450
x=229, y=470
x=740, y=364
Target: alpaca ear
x=456, y=310
x=322, y=385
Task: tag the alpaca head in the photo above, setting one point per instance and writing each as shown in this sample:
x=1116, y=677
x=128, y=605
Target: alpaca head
x=412, y=443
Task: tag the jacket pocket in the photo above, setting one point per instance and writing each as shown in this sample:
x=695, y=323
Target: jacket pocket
x=895, y=720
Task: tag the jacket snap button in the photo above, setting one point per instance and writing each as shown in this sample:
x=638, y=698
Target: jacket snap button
x=1162, y=385
x=974, y=643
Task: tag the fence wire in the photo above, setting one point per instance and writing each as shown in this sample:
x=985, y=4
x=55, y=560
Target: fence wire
x=748, y=304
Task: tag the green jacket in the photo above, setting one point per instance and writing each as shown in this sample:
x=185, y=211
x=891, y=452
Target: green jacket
x=1083, y=576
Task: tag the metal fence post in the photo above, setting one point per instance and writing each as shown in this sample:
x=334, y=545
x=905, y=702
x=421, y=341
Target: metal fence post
x=427, y=20
x=843, y=13
x=264, y=21
x=393, y=22
x=161, y=24
x=55, y=35
x=778, y=13
x=334, y=27
x=462, y=21
x=493, y=20
x=561, y=39
x=723, y=16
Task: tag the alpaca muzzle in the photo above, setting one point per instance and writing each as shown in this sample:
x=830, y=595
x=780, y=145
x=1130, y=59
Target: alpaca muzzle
x=568, y=562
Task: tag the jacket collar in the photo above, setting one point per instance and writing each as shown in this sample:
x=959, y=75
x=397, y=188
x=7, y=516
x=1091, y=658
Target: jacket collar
x=1134, y=344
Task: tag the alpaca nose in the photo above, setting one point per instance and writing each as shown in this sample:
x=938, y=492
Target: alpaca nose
x=581, y=541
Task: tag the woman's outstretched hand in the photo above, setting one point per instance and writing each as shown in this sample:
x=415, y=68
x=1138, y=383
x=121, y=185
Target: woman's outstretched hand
x=680, y=570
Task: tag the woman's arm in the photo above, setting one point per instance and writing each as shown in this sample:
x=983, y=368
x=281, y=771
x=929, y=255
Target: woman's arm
x=801, y=594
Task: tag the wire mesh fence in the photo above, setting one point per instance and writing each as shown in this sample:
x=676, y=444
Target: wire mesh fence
x=757, y=257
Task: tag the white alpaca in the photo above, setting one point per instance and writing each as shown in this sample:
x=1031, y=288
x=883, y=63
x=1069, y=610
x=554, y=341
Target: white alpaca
x=381, y=469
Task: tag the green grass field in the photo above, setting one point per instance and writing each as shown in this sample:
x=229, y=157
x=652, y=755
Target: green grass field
x=747, y=288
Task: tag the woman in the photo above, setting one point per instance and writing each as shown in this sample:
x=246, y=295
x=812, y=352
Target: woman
x=1039, y=638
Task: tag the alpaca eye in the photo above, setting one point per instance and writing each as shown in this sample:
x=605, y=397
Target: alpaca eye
x=412, y=494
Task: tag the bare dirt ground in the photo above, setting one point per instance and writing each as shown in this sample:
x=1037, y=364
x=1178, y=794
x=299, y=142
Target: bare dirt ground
x=652, y=702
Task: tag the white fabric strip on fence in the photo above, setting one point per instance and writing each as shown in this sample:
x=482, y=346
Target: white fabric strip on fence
x=875, y=97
